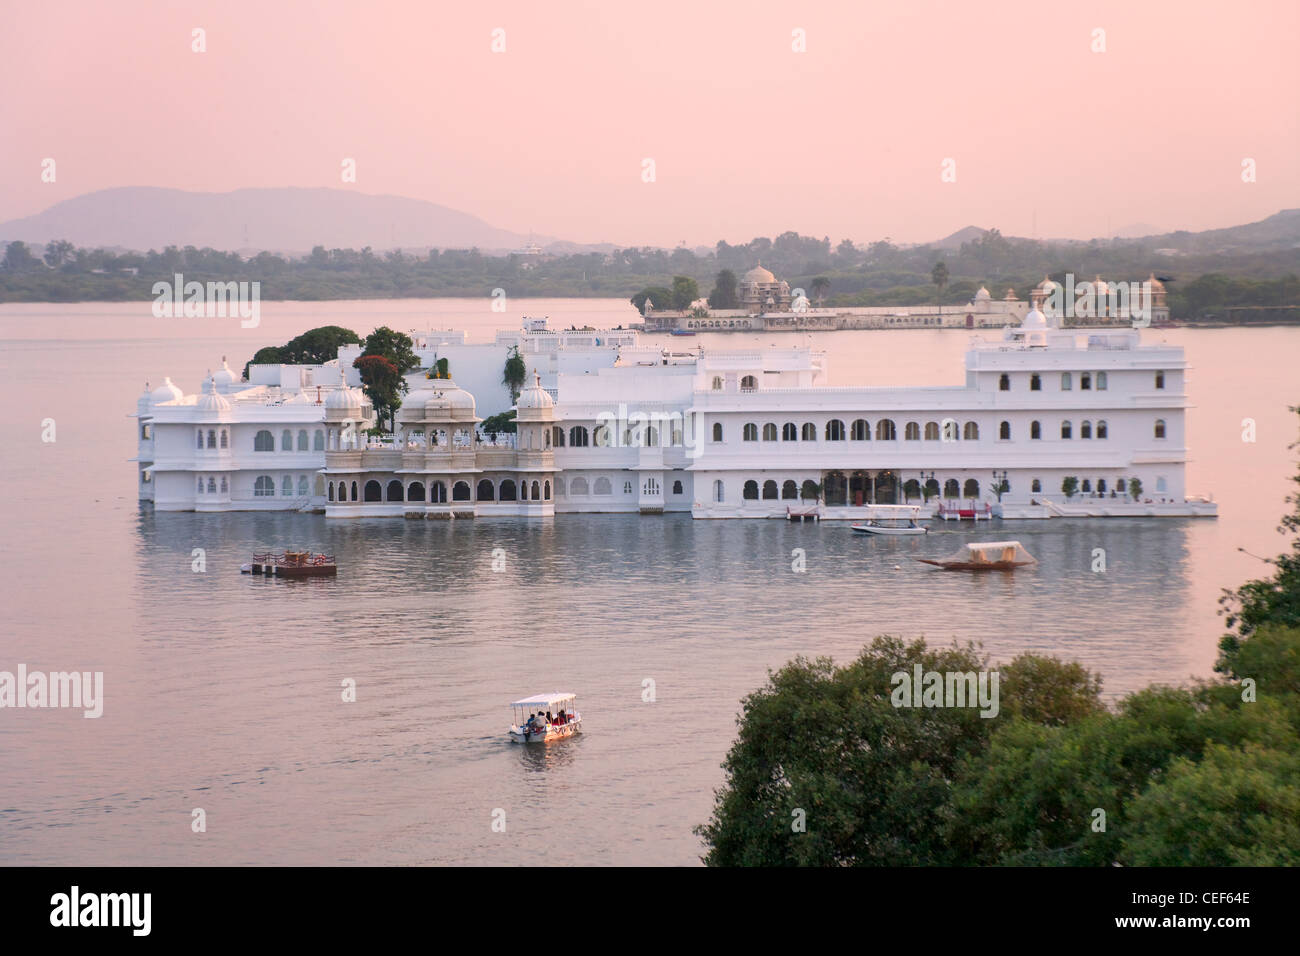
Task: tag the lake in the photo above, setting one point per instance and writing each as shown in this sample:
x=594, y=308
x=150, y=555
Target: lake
x=223, y=691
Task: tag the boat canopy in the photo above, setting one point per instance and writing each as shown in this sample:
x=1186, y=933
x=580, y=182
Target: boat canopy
x=991, y=551
x=894, y=511
x=547, y=700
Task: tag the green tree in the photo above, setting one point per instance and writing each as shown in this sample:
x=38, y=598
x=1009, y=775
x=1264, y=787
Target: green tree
x=1069, y=486
x=19, y=258
x=1135, y=488
x=660, y=298
x=397, y=347
x=383, y=384
x=318, y=346
x=499, y=423
x=58, y=252
x=819, y=286
x=724, y=294
x=939, y=276
x=514, y=374
x=685, y=291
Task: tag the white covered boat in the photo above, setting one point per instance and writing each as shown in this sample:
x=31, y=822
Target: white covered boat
x=892, y=520
x=545, y=717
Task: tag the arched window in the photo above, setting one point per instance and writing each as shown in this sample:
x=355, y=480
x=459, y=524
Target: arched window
x=354, y=491
x=537, y=492
x=510, y=493
x=789, y=489
x=212, y=485
x=578, y=436
x=835, y=430
x=302, y=439
x=860, y=430
x=931, y=488
x=286, y=440
x=717, y=383
x=1085, y=381
x=318, y=440
x=601, y=436
x=557, y=436
x=1066, y=382
x=750, y=491
x=749, y=384
x=1004, y=383
x=1160, y=379
x=438, y=493
x=212, y=438
x=1160, y=484
x=603, y=487
x=1101, y=381
x=719, y=490
x=1035, y=383
x=199, y=438
x=331, y=491
x=911, y=432
x=579, y=487
x=1101, y=485
x=1087, y=485
x=769, y=432
x=286, y=486
x=769, y=490
x=808, y=490
x=485, y=490
x=1067, y=430
x=972, y=489
x=677, y=436
x=264, y=487
x=677, y=487
x=1036, y=486
x=1004, y=431
x=809, y=432
x=1101, y=429
x=460, y=491
x=302, y=486
x=415, y=491
x=1085, y=429
x=971, y=432
x=225, y=438
x=1035, y=430
x=651, y=437
x=546, y=491
x=931, y=431
x=789, y=432
x=561, y=491
x=1160, y=428
x=886, y=430
x=750, y=432
x=225, y=485
x=951, y=489
x=717, y=431
x=373, y=491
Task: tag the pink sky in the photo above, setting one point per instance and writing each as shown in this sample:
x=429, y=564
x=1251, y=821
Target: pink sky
x=748, y=137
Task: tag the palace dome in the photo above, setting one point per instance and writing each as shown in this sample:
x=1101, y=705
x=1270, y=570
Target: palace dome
x=759, y=276
x=224, y=378
x=1033, y=320
x=982, y=295
x=344, y=398
x=166, y=392
x=210, y=401
x=534, y=396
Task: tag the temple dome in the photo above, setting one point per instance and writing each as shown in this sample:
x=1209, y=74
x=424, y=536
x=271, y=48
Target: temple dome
x=534, y=396
x=759, y=276
x=1034, y=320
x=210, y=401
x=225, y=378
x=344, y=398
x=166, y=392
x=982, y=295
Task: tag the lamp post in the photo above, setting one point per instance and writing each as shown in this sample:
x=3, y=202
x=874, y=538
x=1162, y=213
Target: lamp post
x=998, y=481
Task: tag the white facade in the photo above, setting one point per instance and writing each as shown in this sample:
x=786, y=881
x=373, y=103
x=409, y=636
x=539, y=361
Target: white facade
x=625, y=428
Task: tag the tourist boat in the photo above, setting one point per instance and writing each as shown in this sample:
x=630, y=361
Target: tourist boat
x=986, y=556
x=892, y=520
x=681, y=332
x=548, y=729
x=292, y=564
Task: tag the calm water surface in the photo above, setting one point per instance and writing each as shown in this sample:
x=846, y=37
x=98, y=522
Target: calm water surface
x=223, y=691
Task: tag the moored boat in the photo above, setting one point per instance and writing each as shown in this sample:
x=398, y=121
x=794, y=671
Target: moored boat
x=544, y=717
x=292, y=564
x=985, y=556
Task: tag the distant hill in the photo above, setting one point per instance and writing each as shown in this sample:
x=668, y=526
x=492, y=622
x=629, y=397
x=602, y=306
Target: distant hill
x=969, y=234
x=284, y=220
x=1279, y=231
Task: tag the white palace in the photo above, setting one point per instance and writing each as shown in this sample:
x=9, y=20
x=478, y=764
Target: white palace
x=608, y=424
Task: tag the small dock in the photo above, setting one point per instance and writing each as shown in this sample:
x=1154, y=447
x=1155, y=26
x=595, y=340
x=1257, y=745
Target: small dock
x=811, y=514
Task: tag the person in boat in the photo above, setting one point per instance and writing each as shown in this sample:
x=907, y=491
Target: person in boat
x=549, y=719
x=563, y=718
x=531, y=726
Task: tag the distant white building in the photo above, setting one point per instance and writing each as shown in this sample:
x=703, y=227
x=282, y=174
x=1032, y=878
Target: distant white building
x=628, y=428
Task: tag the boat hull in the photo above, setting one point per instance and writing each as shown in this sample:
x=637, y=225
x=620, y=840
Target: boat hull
x=552, y=733
x=869, y=529
x=976, y=565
